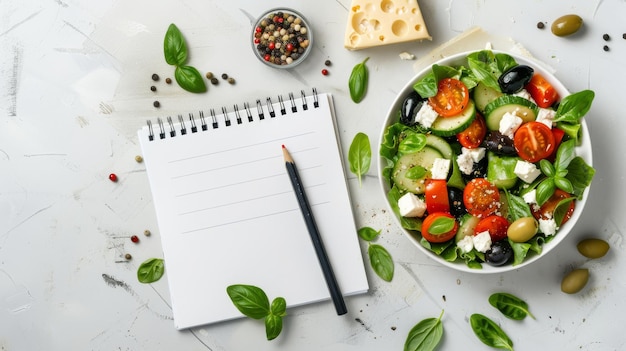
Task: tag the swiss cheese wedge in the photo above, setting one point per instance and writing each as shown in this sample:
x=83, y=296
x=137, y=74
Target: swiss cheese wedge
x=383, y=22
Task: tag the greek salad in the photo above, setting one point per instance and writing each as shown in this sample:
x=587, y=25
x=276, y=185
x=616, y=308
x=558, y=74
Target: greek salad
x=481, y=161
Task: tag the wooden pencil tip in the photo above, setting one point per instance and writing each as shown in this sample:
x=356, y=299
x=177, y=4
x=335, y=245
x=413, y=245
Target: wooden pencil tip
x=286, y=155
x=283, y=146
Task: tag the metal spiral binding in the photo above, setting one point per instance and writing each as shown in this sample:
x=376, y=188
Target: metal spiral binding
x=181, y=127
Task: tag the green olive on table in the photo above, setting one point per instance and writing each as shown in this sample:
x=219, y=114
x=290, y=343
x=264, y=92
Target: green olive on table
x=593, y=248
x=566, y=25
x=523, y=229
x=575, y=281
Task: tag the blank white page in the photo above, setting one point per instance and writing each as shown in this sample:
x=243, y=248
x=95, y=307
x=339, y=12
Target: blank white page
x=227, y=213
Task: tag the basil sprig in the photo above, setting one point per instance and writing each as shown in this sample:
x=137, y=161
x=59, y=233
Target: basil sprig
x=150, y=270
x=556, y=174
x=175, y=50
x=380, y=259
x=571, y=110
x=252, y=302
x=490, y=333
x=357, y=83
x=510, y=305
x=425, y=335
x=360, y=155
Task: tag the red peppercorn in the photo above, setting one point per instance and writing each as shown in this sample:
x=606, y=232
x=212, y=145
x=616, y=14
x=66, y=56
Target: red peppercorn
x=290, y=47
x=257, y=40
x=258, y=29
x=266, y=57
x=275, y=19
x=134, y=238
x=271, y=45
x=281, y=20
x=113, y=177
x=325, y=72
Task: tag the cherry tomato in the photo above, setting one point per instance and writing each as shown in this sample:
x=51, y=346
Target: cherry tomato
x=542, y=91
x=534, y=141
x=451, y=99
x=497, y=227
x=473, y=135
x=436, y=196
x=440, y=237
x=481, y=198
x=558, y=135
x=546, y=211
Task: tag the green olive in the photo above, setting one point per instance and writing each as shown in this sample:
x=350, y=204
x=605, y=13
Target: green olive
x=575, y=281
x=566, y=25
x=593, y=248
x=523, y=229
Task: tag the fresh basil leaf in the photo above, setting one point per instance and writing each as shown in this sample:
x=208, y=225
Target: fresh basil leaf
x=416, y=172
x=545, y=189
x=427, y=86
x=485, y=68
x=442, y=72
x=517, y=207
x=561, y=209
x=249, y=300
x=547, y=168
x=279, y=307
x=273, y=326
x=150, y=270
x=174, y=46
x=381, y=261
x=437, y=248
x=489, y=332
x=520, y=251
x=413, y=142
x=368, y=233
x=441, y=225
x=425, y=335
x=390, y=142
x=510, y=305
x=573, y=107
x=563, y=184
x=357, y=82
x=580, y=174
x=565, y=154
x=360, y=155
x=504, y=62
x=189, y=79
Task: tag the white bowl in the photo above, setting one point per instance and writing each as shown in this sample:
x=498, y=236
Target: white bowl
x=584, y=151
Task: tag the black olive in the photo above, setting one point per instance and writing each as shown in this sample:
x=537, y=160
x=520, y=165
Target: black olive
x=410, y=106
x=500, y=253
x=499, y=143
x=479, y=170
x=515, y=79
x=455, y=198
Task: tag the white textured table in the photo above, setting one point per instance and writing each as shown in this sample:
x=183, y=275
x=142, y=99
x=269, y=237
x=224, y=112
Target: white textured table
x=75, y=88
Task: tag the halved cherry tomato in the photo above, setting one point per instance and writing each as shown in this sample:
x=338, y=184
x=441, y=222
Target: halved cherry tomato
x=473, y=135
x=546, y=211
x=436, y=196
x=481, y=198
x=534, y=141
x=438, y=237
x=497, y=227
x=542, y=91
x=451, y=99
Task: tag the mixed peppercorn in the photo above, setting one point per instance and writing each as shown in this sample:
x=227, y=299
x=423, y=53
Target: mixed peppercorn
x=281, y=38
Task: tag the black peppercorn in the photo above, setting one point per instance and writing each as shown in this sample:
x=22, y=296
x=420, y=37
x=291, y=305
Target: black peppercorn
x=168, y=80
x=606, y=37
x=605, y=48
x=540, y=25
x=214, y=81
x=224, y=76
x=156, y=104
x=155, y=77
x=327, y=62
x=153, y=88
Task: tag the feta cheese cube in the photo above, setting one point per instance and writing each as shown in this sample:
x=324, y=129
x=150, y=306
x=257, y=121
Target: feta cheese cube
x=530, y=197
x=465, y=162
x=476, y=153
x=509, y=124
x=440, y=169
x=526, y=95
x=547, y=226
x=546, y=116
x=411, y=205
x=526, y=171
x=482, y=241
x=466, y=244
x=426, y=116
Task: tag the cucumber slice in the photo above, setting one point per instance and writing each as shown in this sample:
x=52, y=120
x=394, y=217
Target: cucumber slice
x=467, y=227
x=501, y=170
x=483, y=95
x=439, y=143
x=449, y=126
x=521, y=107
x=424, y=158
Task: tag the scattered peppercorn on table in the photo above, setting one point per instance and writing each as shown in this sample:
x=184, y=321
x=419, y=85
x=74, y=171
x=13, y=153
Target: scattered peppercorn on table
x=76, y=213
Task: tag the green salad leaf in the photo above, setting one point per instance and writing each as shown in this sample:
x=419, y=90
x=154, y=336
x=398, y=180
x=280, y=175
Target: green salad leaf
x=252, y=302
x=360, y=155
x=510, y=305
x=368, y=233
x=357, y=83
x=189, y=79
x=150, y=270
x=381, y=261
x=489, y=332
x=175, y=51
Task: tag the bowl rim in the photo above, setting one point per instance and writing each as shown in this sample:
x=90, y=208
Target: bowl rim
x=309, y=32
x=584, y=150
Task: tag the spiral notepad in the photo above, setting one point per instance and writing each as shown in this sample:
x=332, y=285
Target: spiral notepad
x=226, y=211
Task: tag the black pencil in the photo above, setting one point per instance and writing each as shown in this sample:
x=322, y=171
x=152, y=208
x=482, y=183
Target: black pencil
x=327, y=270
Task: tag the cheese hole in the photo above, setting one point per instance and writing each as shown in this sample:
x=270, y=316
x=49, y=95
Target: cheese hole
x=381, y=38
x=399, y=28
x=414, y=10
x=387, y=6
x=401, y=10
